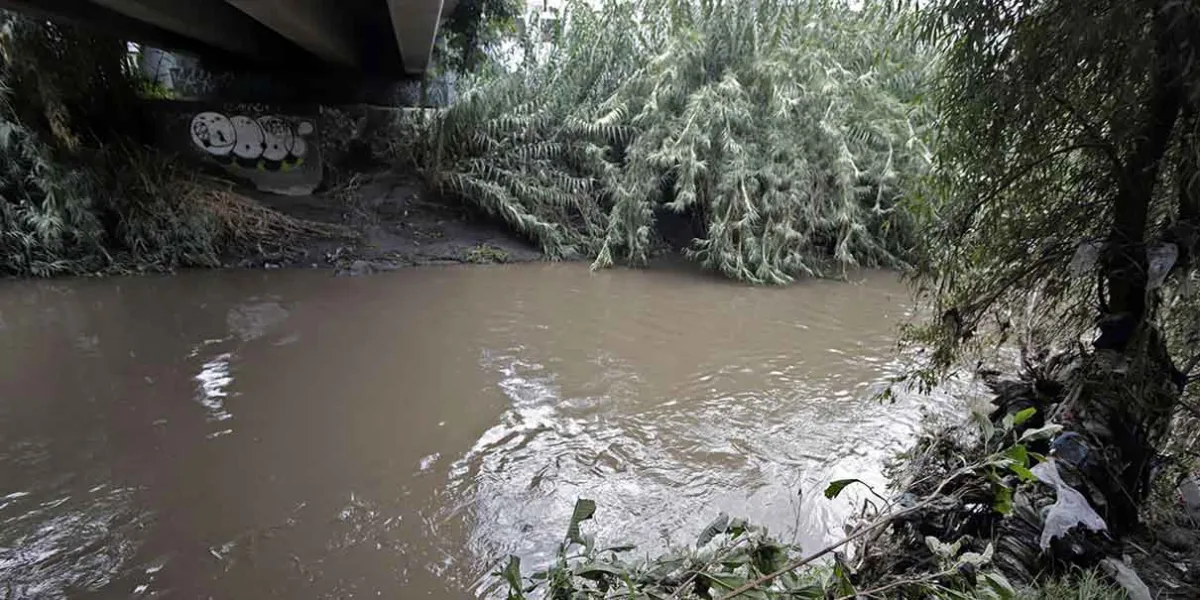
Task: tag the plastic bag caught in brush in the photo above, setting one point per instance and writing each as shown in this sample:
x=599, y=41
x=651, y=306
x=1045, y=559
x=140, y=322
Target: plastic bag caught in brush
x=1069, y=510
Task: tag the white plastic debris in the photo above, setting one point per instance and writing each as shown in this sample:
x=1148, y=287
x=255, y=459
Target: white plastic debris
x=1069, y=510
x=1127, y=578
x=1160, y=259
x=1086, y=257
x=1189, y=491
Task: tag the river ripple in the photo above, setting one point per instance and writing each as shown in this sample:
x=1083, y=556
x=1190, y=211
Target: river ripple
x=287, y=434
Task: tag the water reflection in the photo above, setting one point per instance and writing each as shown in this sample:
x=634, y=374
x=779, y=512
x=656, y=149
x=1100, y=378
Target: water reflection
x=67, y=545
x=286, y=434
x=214, y=378
x=669, y=466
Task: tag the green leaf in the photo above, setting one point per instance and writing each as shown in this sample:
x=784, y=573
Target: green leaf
x=836, y=487
x=986, y=428
x=728, y=582
x=512, y=575
x=752, y=594
x=1041, y=433
x=1024, y=415
x=999, y=585
x=841, y=577
x=584, y=510
x=1003, y=501
x=737, y=527
x=597, y=570
x=737, y=559
x=1018, y=454
x=1023, y=472
x=769, y=557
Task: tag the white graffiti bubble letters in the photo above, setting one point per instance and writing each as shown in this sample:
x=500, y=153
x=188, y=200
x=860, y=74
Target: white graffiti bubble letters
x=268, y=140
x=213, y=132
x=278, y=139
x=299, y=145
x=251, y=141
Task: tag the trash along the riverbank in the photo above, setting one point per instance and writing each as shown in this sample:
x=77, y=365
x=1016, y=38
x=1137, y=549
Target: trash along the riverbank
x=999, y=507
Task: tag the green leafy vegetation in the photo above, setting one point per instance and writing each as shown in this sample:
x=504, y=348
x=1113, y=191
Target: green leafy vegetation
x=1067, y=157
x=47, y=210
x=732, y=558
x=79, y=193
x=781, y=134
x=473, y=31
x=1065, y=207
x=1084, y=585
x=1062, y=218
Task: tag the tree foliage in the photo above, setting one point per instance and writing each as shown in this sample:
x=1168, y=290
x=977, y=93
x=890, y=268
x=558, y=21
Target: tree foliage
x=49, y=78
x=67, y=85
x=1068, y=152
x=472, y=31
x=786, y=132
x=1065, y=209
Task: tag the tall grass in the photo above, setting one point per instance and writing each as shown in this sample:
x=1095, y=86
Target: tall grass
x=80, y=192
x=786, y=130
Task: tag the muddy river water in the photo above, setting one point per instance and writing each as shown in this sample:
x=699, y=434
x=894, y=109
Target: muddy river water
x=287, y=434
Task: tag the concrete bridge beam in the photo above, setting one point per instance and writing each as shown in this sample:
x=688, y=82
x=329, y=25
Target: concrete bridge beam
x=376, y=37
x=416, y=24
x=257, y=45
x=214, y=23
x=319, y=26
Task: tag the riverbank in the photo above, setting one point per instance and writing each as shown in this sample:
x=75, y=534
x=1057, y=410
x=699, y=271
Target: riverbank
x=387, y=221
x=910, y=546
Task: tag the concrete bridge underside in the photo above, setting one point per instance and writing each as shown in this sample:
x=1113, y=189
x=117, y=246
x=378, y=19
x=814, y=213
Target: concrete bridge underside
x=381, y=38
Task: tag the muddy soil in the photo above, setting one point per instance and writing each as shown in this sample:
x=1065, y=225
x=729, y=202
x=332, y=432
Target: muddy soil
x=391, y=222
x=1166, y=551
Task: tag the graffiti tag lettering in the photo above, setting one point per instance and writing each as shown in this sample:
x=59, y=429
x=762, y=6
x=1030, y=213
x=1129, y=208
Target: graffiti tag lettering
x=267, y=143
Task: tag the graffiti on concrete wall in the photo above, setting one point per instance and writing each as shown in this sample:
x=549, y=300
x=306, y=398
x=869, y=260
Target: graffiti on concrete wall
x=266, y=143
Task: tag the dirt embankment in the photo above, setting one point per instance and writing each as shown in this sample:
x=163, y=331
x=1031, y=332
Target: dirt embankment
x=388, y=222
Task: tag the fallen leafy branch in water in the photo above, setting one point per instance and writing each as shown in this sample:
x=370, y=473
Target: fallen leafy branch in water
x=726, y=554
x=890, y=555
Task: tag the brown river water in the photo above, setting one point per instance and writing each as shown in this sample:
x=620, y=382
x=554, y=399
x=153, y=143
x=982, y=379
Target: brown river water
x=287, y=434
